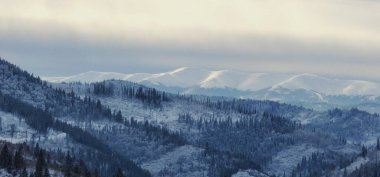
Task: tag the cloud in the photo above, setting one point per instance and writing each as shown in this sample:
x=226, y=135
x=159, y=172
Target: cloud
x=66, y=57
x=335, y=37
x=336, y=20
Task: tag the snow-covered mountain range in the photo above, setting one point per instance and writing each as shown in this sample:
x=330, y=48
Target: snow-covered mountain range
x=191, y=78
x=308, y=90
x=148, y=132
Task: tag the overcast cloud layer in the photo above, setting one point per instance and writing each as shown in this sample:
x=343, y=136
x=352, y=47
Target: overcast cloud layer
x=332, y=37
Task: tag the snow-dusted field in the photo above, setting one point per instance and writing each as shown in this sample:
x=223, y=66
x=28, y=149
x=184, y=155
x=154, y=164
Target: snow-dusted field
x=15, y=130
x=183, y=159
x=287, y=159
x=96, y=125
x=167, y=115
x=249, y=173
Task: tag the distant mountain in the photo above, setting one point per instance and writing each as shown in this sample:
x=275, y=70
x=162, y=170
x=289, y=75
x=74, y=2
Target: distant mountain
x=308, y=90
x=193, y=80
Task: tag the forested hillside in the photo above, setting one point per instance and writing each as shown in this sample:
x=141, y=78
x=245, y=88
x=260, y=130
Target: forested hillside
x=131, y=129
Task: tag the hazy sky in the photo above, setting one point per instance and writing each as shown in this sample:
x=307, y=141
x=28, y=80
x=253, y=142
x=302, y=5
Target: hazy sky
x=54, y=37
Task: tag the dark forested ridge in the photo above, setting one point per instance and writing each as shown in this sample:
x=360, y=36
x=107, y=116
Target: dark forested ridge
x=23, y=160
x=42, y=120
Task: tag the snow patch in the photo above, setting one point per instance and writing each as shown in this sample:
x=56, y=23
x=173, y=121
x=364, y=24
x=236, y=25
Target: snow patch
x=286, y=160
x=183, y=159
x=249, y=173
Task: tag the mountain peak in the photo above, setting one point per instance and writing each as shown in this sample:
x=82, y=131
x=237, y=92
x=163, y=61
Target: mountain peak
x=186, y=77
x=189, y=70
x=183, y=69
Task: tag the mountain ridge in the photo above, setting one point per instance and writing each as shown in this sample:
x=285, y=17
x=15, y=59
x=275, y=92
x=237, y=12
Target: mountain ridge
x=190, y=77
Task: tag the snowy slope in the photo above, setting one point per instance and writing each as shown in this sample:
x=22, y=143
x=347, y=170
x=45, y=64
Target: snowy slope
x=22, y=132
x=190, y=78
x=249, y=173
x=330, y=86
x=287, y=159
x=184, y=158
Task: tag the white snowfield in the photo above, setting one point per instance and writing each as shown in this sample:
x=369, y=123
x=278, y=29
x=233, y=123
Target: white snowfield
x=188, y=77
x=249, y=173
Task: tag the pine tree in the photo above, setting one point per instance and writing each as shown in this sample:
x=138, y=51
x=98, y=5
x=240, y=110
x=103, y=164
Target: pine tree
x=40, y=165
x=96, y=173
x=87, y=173
x=364, y=151
x=5, y=158
x=24, y=173
x=345, y=172
x=18, y=161
x=378, y=144
x=1, y=124
x=46, y=173
x=36, y=150
x=68, y=166
x=119, y=173
x=119, y=117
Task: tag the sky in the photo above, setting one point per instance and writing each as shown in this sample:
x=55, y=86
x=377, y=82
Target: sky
x=59, y=38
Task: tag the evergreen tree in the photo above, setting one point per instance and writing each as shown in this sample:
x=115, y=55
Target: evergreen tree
x=24, y=173
x=87, y=173
x=378, y=144
x=46, y=173
x=364, y=151
x=68, y=165
x=119, y=117
x=40, y=164
x=96, y=173
x=345, y=172
x=18, y=161
x=5, y=158
x=36, y=150
x=119, y=173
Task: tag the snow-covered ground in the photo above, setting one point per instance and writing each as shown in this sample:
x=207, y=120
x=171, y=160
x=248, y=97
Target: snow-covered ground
x=249, y=173
x=352, y=167
x=167, y=115
x=15, y=130
x=287, y=159
x=181, y=162
x=96, y=125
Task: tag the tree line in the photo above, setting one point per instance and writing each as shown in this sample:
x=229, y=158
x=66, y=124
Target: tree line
x=16, y=158
x=149, y=96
